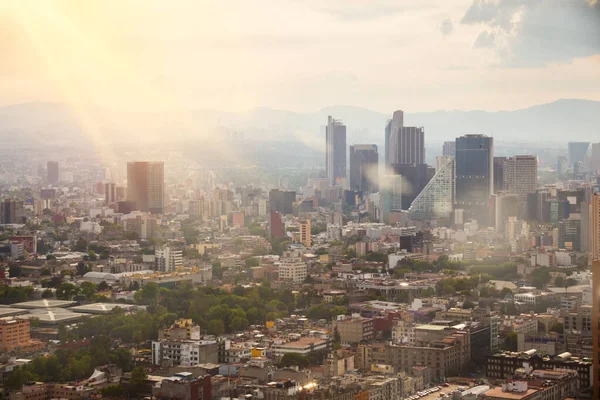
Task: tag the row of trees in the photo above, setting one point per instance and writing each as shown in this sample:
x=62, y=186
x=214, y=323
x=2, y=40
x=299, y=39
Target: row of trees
x=68, y=365
x=15, y=294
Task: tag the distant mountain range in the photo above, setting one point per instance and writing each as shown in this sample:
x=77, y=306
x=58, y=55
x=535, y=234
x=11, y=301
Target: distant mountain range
x=38, y=124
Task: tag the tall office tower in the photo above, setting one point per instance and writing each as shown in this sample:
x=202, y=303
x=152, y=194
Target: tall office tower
x=390, y=192
x=52, y=172
x=595, y=158
x=364, y=167
x=304, y=232
x=449, y=149
x=12, y=212
x=386, y=150
x=520, y=177
x=436, y=200
x=146, y=185
x=474, y=175
x=407, y=143
x=168, y=259
x=335, y=154
x=577, y=152
x=110, y=193
x=499, y=174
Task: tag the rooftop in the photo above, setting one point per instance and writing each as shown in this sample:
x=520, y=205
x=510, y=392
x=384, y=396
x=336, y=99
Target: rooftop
x=44, y=304
x=430, y=327
x=499, y=393
x=100, y=308
x=9, y=312
x=54, y=315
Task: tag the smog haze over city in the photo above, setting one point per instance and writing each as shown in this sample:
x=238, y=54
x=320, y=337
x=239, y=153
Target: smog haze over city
x=300, y=200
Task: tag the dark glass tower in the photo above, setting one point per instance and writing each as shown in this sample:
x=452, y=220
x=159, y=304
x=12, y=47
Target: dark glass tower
x=474, y=175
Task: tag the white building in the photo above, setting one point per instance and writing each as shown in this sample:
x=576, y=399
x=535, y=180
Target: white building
x=334, y=232
x=90, y=226
x=404, y=333
x=168, y=259
x=184, y=353
x=262, y=207
x=293, y=269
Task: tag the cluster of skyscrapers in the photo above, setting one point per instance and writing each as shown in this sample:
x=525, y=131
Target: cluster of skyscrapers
x=467, y=176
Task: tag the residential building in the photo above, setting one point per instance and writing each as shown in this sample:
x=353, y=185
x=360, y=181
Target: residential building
x=293, y=269
x=15, y=335
x=474, y=175
x=12, y=212
x=444, y=358
x=184, y=353
x=146, y=186
x=304, y=232
x=335, y=152
x=355, y=329
x=168, y=259
x=364, y=168
x=302, y=346
x=184, y=388
x=503, y=365
x=181, y=329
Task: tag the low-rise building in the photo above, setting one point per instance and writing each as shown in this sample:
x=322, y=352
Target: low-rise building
x=355, y=329
x=184, y=352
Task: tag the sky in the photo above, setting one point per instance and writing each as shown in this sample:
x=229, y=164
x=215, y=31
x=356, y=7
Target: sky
x=300, y=55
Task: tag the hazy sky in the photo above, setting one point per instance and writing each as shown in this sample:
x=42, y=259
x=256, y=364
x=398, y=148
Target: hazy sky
x=301, y=55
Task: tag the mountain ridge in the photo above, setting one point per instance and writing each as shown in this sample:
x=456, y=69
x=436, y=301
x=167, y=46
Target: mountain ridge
x=577, y=119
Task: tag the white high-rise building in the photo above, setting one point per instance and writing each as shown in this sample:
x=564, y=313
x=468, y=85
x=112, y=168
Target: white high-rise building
x=293, y=269
x=335, y=152
x=520, y=176
x=168, y=259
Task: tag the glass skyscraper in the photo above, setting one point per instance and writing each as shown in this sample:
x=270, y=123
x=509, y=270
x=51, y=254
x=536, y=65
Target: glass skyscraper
x=474, y=175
